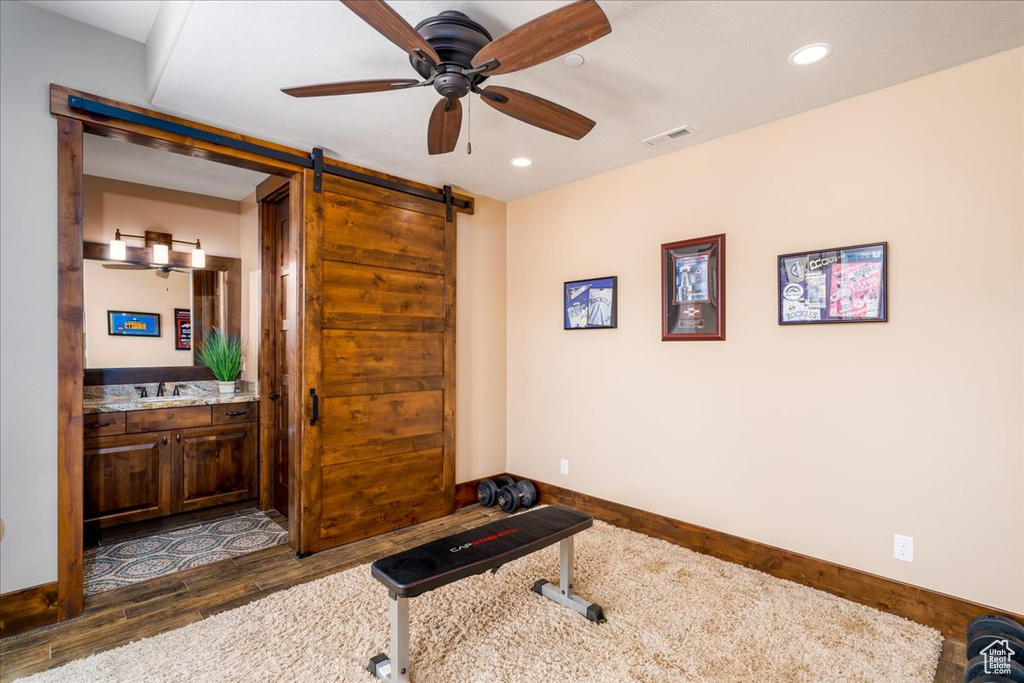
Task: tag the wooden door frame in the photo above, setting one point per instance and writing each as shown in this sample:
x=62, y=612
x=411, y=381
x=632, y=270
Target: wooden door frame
x=267, y=193
x=72, y=125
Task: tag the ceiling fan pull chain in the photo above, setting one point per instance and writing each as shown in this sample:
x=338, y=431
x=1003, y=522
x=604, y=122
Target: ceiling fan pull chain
x=469, y=125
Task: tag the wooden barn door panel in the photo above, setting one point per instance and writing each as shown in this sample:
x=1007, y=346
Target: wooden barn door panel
x=379, y=350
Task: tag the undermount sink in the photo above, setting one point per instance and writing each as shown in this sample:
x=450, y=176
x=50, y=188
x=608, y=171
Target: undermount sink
x=161, y=399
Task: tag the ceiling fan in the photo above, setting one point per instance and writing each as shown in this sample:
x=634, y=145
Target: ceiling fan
x=160, y=271
x=455, y=54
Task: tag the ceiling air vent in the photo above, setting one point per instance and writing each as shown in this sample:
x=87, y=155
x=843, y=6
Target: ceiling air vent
x=670, y=135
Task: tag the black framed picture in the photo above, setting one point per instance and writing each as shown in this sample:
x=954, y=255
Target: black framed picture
x=841, y=285
x=590, y=304
x=693, y=289
x=133, y=324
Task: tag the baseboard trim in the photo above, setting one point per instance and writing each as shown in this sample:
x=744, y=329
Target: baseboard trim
x=465, y=492
x=28, y=609
x=946, y=613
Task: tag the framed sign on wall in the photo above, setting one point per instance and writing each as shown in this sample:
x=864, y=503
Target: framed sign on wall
x=841, y=285
x=693, y=289
x=590, y=304
x=133, y=324
x=183, y=329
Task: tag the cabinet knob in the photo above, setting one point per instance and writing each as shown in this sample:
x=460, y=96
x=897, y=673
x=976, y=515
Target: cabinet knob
x=165, y=439
x=274, y=395
x=177, y=437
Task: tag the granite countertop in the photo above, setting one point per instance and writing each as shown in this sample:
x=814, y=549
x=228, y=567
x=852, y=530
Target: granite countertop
x=115, y=398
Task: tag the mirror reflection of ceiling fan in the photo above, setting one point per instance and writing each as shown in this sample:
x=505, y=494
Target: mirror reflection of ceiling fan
x=161, y=271
x=455, y=54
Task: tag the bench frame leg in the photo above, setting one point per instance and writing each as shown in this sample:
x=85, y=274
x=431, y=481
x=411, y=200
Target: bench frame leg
x=562, y=593
x=396, y=667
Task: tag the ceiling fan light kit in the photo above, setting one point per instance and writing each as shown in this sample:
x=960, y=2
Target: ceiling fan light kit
x=455, y=55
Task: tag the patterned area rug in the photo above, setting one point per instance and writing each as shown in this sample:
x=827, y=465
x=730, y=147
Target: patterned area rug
x=121, y=564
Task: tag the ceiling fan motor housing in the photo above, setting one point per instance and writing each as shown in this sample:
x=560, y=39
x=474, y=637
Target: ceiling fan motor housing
x=456, y=38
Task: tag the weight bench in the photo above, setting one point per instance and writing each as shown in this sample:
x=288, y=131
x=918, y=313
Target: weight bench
x=446, y=560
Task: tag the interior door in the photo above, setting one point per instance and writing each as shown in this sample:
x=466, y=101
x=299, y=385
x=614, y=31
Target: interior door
x=378, y=449
x=280, y=375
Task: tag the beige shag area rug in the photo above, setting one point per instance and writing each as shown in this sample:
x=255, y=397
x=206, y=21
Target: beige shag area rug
x=673, y=615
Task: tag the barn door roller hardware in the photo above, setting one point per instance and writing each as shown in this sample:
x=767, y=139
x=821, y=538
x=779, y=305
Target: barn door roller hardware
x=313, y=161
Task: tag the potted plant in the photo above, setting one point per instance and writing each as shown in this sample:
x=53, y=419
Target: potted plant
x=223, y=355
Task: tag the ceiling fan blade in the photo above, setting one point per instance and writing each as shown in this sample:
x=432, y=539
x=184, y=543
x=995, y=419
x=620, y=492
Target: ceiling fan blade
x=445, y=124
x=546, y=37
x=392, y=26
x=349, y=87
x=537, y=111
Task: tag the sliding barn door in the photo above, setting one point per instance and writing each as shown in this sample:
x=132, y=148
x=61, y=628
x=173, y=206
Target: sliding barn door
x=379, y=362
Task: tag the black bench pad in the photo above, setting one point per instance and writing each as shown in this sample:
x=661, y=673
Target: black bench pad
x=435, y=564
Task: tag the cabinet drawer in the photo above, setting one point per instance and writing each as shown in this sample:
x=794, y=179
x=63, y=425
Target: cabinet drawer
x=102, y=424
x=168, y=418
x=234, y=412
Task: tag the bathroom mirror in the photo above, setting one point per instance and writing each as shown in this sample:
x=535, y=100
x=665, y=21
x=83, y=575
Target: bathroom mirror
x=140, y=315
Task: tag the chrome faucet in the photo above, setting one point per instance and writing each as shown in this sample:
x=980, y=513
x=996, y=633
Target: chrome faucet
x=160, y=389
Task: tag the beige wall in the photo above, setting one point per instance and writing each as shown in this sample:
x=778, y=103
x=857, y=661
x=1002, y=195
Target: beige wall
x=138, y=291
x=480, y=341
x=821, y=439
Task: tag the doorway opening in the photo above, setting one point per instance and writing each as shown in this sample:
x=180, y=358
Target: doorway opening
x=172, y=462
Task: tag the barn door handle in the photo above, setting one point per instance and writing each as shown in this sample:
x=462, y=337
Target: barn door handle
x=316, y=407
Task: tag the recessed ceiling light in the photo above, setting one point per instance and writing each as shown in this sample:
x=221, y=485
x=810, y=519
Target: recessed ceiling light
x=573, y=60
x=810, y=54
x=521, y=162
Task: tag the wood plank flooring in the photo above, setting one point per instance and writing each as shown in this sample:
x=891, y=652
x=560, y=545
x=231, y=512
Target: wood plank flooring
x=120, y=616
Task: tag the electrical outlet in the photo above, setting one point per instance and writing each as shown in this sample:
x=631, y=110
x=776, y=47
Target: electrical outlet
x=903, y=547
x=564, y=468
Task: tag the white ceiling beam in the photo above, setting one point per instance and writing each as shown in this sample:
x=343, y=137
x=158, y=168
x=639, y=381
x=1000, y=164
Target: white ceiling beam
x=167, y=26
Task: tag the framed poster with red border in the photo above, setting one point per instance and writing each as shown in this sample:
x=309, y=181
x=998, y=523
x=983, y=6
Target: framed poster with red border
x=183, y=329
x=693, y=289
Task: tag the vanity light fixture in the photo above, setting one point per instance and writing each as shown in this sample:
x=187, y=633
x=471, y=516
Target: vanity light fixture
x=161, y=250
x=161, y=254
x=198, y=256
x=118, y=249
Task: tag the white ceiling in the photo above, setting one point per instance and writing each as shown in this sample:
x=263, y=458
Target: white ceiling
x=108, y=158
x=128, y=18
x=719, y=67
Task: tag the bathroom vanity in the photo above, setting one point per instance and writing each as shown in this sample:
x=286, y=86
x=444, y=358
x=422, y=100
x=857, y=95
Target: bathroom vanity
x=150, y=457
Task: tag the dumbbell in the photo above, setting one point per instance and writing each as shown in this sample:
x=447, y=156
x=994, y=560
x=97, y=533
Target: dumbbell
x=994, y=622
x=487, y=490
x=511, y=498
x=988, y=635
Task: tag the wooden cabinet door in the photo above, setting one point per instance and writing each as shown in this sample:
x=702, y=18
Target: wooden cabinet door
x=127, y=478
x=378, y=349
x=214, y=465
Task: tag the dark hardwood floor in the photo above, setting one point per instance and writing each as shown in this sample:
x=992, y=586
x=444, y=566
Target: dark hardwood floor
x=127, y=614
